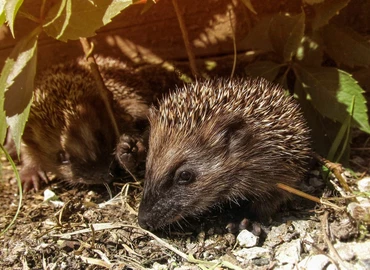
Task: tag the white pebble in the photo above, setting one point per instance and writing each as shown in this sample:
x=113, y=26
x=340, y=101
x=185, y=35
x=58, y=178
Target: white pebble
x=246, y=254
x=316, y=262
x=247, y=239
x=364, y=184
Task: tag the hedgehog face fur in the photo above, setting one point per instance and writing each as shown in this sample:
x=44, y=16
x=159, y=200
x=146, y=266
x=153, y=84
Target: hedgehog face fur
x=69, y=132
x=67, y=135
x=222, y=140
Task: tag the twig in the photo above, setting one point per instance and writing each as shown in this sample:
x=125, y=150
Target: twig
x=332, y=250
x=185, y=37
x=234, y=44
x=298, y=192
x=104, y=92
x=321, y=252
x=335, y=168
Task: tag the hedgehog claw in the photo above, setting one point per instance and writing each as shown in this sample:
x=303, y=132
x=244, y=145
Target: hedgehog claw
x=30, y=178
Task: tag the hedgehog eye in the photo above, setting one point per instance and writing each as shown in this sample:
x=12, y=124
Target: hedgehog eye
x=63, y=157
x=185, y=177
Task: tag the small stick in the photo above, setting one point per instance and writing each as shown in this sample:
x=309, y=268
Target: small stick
x=185, y=37
x=325, y=228
x=298, y=192
x=335, y=168
x=104, y=92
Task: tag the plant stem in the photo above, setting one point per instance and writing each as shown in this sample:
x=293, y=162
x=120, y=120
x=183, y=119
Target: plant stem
x=104, y=92
x=185, y=37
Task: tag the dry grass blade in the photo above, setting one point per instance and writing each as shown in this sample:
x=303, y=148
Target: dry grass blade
x=94, y=261
x=324, y=226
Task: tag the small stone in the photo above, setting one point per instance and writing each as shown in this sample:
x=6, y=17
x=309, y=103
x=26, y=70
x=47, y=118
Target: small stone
x=345, y=251
x=49, y=195
x=247, y=239
x=364, y=184
x=246, y=254
x=157, y=266
x=276, y=235
x=307, y=242
x=289, y=252
x=359, y=211
x=316, y=262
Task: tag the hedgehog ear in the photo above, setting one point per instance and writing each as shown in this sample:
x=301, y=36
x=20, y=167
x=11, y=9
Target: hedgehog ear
x=229, y=132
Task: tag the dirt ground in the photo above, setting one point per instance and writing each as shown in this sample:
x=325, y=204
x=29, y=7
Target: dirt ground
x=82, y=228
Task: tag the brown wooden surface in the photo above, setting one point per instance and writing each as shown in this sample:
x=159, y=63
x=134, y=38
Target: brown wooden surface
x=151, y=37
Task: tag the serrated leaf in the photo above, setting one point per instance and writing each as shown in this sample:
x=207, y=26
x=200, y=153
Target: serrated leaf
x=310, y=52
x=16, y=80
x=286, y=33
x=331, y=91
x=2, y=12
x=258, y=38
x=266, y=69
x=80, y=18
x=323, y=130
x=11, y=9
x=249, y=5
x=325, y=11
x=345, y=46
x=342, y=138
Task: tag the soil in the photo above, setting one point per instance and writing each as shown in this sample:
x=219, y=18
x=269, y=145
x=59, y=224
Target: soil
x=82, y=228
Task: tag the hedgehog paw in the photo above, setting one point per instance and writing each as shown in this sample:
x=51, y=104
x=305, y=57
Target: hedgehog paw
x=127, y=152
x=31, y=178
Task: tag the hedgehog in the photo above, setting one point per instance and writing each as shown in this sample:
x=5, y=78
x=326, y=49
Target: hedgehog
x=69, y=132
x=222, y=140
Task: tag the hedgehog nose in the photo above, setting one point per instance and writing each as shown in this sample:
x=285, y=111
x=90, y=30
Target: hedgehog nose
x=144, y=217
x=144, y=222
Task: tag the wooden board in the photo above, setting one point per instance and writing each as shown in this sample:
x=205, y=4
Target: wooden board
x=151, y=37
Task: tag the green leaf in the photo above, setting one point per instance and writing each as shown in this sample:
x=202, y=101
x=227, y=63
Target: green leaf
x=2, y=12
x=325, y=11
x=331, y=92
x=310, y=52
x=20, y=196
x=249, y=5
x=323, y=130
x=266, y=69
x=257, y=38
x=286, y=33
x=342, y=136
x=11, y=9
x=80, y=18
x=345, y=46
x=16, y=80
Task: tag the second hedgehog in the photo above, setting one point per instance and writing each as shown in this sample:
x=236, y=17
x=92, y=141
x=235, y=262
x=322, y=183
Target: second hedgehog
x=222, y=140
x=69, y=132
